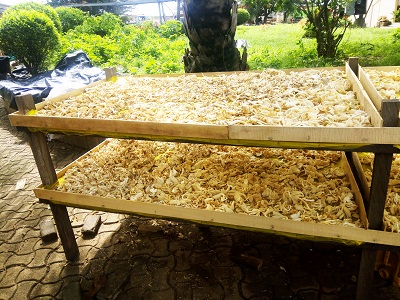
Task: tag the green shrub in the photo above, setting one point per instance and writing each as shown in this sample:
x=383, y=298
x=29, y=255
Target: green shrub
x=396, y=34
x=46, y=9
x=396, y=15
x=70, y=17
x=171, y=29
x=242, y=16
x=133, y=49
x=31, y=37
x=101, y=25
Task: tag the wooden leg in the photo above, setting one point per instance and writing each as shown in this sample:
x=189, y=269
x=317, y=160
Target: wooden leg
x=366, y=274
x=65, y=231
x=376, y=206
x=40, y=150
x=377, y=200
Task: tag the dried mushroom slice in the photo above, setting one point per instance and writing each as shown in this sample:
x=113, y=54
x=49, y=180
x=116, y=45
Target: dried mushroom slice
x=272, y=97
x=301, y=185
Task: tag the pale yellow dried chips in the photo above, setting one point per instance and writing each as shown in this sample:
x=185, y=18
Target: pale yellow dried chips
x=387, y=83
x=302, y=185
x=272, y=97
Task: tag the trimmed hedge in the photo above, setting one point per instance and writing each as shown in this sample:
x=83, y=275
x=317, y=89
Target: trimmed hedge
x=31, y=37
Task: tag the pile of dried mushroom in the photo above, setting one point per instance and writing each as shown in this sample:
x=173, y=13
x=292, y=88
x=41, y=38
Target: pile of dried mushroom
x=387, y=83
x=272, y=97
x=391, y=218
x=301, y=185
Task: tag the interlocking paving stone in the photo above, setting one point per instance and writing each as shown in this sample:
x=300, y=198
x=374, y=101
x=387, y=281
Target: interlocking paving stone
x=307, y=282
x=161, y=247
x=160, y=279
x=140, y=280
x=182, y=260
x=40, y=256
x=115, y=286
x=230, y=288
x=183, y=291
x=39, y=244
x=47, y=290
x=71, y=291
x=133, y=293
x=26, y=274
x=53, y=272
x=159, y=295
x=7, y=292
x=24, y=289
x=208, y=292
x=222, y=273
x=10, y=274
x=20, y=260
x=5, y=236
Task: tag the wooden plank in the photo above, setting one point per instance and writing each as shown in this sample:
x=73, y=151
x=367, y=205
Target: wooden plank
x=364, y=99
x=121, y=127
x=370, y=89
x=340, y=138
x=338, y=135
x=361, y=175
x=67, y=95
x=356, y=191
x=214, y=218
x=383, y=68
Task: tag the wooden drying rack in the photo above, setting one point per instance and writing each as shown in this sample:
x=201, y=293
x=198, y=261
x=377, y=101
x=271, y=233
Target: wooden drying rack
x=382, y=139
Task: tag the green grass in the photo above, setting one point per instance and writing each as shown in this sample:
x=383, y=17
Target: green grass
x=282, y=46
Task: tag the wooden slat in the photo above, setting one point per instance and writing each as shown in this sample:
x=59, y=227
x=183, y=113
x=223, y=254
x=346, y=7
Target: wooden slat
x=67, y=95
x=121, y=127
x=369, y=106
x=356, y=191
x=338, y=135
x=231, y=220
x=251, y=135
x=370, y=89
x=361, y=176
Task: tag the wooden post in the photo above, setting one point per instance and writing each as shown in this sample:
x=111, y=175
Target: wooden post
x=110, y=72
x=40, y=150
x=353, y=64
x=376, y=204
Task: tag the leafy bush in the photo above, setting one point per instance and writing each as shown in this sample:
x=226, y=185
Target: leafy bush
x=133, y=49
x=396, y=15
x=46, y=9
x=30, y=36
x=171, y=29
x=242, y=16
x=70, y=17
x=396, y=34
x=101, y=25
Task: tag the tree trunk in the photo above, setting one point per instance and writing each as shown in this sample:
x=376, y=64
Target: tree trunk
x=210, y=27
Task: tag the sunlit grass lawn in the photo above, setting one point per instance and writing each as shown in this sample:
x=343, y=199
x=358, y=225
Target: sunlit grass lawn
x=282, y=46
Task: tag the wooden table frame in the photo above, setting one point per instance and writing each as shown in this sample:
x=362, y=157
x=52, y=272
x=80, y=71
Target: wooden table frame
x=381, y=141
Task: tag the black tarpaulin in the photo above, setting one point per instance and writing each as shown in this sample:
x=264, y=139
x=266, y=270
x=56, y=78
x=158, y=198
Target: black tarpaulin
x=73, y=71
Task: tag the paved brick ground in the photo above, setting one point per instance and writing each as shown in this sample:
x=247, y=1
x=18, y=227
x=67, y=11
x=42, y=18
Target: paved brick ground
x=140, y=258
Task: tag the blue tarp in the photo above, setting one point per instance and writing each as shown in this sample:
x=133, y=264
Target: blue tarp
x=73, y=71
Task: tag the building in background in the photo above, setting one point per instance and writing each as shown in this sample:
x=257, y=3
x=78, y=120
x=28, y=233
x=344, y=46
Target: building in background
x=372, y=11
